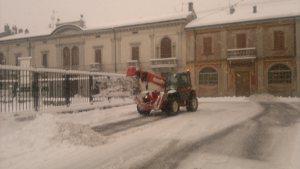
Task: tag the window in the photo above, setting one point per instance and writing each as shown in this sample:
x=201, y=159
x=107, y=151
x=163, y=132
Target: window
x=2, y=59
x=75, y=56
x=279, y=73
x=166, y=48
x=98, y=55
x=207, y=46
x=208, y=76
x=241, y=40
x=135, y=52
x=66, y=57
x=279, y=40
x=45, y=60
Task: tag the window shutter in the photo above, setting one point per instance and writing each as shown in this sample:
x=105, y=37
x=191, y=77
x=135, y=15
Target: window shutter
x=279, y=40
x=166, y=48
x=241, y=40
x=45, y=60
x=135, y=52
x=207, y=45
x=98, y=55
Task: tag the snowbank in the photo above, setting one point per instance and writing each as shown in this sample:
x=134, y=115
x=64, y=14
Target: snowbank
x=18, y=138
x=33, y=133
x=253, y=98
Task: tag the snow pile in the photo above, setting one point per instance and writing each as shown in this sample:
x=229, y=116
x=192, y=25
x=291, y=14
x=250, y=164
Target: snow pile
x=78, y=134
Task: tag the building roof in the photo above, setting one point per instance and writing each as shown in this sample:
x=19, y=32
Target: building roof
x=118, y=25
x=266, y=9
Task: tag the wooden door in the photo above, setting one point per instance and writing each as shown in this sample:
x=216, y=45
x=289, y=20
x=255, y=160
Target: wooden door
x=242, y=83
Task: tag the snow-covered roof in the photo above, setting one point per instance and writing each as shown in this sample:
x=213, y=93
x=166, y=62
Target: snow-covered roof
x=127, y=23
x=266, y=9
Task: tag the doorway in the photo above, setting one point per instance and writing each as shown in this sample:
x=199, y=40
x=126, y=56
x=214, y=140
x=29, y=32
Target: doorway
x=242, y=83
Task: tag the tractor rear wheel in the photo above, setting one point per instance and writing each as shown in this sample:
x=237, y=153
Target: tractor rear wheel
x=173, y=107
x=142, y=112
x=192, y=104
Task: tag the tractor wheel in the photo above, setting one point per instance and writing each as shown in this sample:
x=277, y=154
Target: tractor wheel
x=173, y=108
x=192, y=104
x=142, y=112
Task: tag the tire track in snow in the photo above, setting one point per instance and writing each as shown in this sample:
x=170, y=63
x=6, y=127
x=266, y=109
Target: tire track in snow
x=255, y=146
x=115, y=127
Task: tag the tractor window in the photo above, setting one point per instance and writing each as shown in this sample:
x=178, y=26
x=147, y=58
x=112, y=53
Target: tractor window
x=171, y=82
x=182, y=80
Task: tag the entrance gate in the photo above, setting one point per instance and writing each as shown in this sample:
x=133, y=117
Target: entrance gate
x=242, y=83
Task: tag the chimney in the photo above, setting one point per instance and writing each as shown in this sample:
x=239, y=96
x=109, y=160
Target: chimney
x=231, y=10
x=191, y=6
x=254, y=9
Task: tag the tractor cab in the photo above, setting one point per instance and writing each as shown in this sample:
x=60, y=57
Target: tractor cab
x=178, y=81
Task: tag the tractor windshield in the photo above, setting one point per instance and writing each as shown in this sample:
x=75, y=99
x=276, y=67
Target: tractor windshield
x=171, y=82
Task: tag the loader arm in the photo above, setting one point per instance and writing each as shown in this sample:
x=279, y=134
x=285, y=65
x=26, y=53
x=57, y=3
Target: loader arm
x=147, y=77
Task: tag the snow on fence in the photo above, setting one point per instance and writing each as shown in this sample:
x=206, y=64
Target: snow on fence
x=27, y=89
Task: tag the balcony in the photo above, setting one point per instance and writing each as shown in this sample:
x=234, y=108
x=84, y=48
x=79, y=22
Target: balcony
x=134, y=63
x=241, y=54
x=163, y=63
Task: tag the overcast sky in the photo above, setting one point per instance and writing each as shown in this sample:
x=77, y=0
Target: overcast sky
x=35, y=14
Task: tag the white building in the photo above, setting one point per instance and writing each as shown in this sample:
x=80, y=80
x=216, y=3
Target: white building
x=157, y=44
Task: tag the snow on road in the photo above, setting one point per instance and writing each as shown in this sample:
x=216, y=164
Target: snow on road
x=120, y=138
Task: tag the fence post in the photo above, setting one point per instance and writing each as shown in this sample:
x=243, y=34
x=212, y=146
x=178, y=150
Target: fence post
x=67, y=89
x=91, y=88
x=35, y=91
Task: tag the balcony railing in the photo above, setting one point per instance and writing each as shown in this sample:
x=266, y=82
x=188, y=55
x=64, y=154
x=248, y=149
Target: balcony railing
x=95, y=67
x=134, y=63
x=163, y=62
x=241, y=53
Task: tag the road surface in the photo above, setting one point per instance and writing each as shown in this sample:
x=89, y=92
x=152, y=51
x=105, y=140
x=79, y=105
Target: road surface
x=231, y=135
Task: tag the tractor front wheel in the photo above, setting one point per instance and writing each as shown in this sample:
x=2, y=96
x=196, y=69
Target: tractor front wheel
x=142, y=112
x=173, y=107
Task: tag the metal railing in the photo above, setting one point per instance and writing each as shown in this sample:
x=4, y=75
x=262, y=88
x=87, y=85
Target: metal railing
x=241, y=53
x=26, y=89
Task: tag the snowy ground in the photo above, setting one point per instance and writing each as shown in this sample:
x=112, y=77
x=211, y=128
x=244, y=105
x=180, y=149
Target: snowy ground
x=223, y=133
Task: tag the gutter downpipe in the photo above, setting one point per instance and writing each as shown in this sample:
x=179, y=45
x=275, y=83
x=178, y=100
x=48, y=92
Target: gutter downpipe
x=195, y=49
x=115, y=50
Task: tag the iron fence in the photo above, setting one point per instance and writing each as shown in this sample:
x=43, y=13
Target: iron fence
x=27, y=89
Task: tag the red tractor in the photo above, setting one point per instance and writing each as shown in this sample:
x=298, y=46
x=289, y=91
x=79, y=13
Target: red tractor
x=172, y=92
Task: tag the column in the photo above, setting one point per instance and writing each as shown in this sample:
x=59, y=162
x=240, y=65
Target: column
x=297, y=45
x=260, y=61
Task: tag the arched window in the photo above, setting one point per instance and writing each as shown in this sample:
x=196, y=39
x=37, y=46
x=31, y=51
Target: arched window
x=208, y=76
x=279, y=73
x=2, y=59
x=166, y=48
x=75, y=56
x=98, y=55
x=66, y=57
